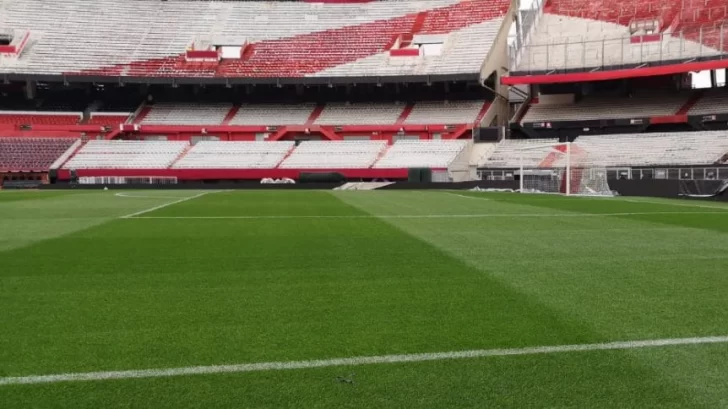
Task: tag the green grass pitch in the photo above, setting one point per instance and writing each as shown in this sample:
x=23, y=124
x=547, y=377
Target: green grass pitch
x=243, y=277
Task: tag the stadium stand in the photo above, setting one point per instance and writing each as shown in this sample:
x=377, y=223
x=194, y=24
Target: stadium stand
x=99, y=154
x=510, y=153
x=447, y=112
x=711, y=102
x=292, y=39
x=187, y=114
x=334, y=155
x=574, y=34
x=412, y=154
x=234, y=155
x=421, y=113
x=273, y=114
x=31, y=154
x=38, y=118
x=677, y=148
x=100, y=118
x=644, y=105
x=360, y=114
x=654, y=149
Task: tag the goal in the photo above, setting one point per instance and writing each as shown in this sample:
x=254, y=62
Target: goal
x=561, y=168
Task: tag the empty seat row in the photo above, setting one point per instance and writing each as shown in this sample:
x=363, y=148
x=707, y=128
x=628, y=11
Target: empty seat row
x=644, y=105
x=580, y=34
x=187, y=114
x=351, y=154
x=10, y=118
x=412, y=154
x=651, y=149
x=334, y=155
x=421, y=113
x=511, y=153
x=31, y=154
x=658, y=149
x=445, y=112
x=234, y=155
x=97, y=154
x=289, y=39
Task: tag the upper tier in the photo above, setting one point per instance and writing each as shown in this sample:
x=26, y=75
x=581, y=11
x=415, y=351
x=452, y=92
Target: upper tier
x=589, y=34
x=149, y=38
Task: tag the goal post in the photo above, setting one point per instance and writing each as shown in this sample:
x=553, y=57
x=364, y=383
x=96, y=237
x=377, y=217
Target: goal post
x=561, y=168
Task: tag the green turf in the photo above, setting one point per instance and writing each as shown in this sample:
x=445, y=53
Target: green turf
x=83, y=290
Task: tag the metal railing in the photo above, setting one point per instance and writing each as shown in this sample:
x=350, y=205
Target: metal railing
x=671, y=173
x=678, y=33
x=589, y=52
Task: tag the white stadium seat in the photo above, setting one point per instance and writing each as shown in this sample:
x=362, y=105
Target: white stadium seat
x=334, y=155
x=647, y=149
x=602, y=107
x=426, y=154
x=99, y=154
x=272, y=114
x=234, y=155
x=447, y=112
x=291, y=39
x=187, y=114
x=360, y=114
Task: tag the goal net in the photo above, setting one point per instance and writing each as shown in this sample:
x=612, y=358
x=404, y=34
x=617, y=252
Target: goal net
x=561, y=168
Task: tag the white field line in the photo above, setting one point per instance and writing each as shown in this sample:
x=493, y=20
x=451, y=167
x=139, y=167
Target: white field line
x=363, y=360
x=466, y=197
x=413, y=216
x=147, y=197
x=184, y=199
x=724, y=208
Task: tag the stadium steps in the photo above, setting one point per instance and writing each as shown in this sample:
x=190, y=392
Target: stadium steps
x=289, y=153
x=419, y=22
x=405, y=113
x=181, y=156
x=141, y=114
x=315, y=114
x=75, y=148
x=690, y=103
x=231, y=114
x=113, y=134
x=382, y=154
x=483, y=111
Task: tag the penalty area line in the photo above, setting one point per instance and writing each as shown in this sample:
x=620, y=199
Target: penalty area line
x=162, y=206
x=466, y=197
x=414, y=216
x=147, y=197
x=674, y=203
x=356, y=361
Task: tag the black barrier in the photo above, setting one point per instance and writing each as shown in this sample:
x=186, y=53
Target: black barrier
x=482, y=184
x=647, y=188
x=321, y=177
x=664, y=188
x=198, y=186
x=419, y=175
x=22, y=184
x=705, y=188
